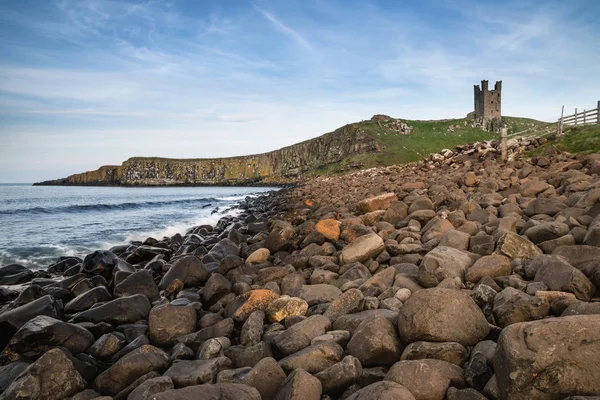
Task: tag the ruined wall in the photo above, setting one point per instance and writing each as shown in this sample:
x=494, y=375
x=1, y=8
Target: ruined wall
x=275, y=167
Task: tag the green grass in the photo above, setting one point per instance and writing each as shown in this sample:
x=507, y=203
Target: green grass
x=425, y=138
x=581, y=139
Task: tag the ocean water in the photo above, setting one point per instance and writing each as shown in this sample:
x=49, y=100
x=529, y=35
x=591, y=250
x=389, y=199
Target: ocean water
x=38, y=224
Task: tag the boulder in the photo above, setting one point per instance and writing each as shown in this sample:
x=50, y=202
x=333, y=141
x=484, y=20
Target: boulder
x=188, y=269
x=118, y=311
x=375, y=342
x=362, y=249
x=140, y=282
x=266, y=377
x=547, y=231
x=565, y=278
x=514, y=246
x=512, y=306
x=320, y=293
x=381, y=202
x=168, y=321
x=329, y=228
x=286, y=306
x=451, y=352
x=129, y=368
x=219, y=391
x=10, y=372
x=41, y=334
x=549, y=359
x=578, y=254
x=441, y=263
x=252, y=330
x=338, y=377
x=385, y=390
x=299, y=335
x=351, y=322
x=299, y=385
x=426, y=379
x=313, y=359
x=105, y=347
x=196, y=372
x=492, y=266
x=52, y=377
x=258, y=256
x=151, y=387
x=105, y=263
x=86, y=300
x=245, y=304
x=349, y=302
x=441, y=315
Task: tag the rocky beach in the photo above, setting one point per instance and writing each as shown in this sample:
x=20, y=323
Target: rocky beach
x=457, y=277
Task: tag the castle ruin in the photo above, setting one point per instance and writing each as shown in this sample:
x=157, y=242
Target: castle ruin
x=488, y=106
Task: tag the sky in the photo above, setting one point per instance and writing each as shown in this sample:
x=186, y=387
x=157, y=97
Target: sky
x=85, y=83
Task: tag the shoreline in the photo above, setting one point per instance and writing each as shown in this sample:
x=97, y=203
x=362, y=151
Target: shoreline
x=343, y=286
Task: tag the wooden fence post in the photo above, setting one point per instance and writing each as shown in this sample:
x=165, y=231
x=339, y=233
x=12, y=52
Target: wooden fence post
x=504, y=145
x=560, y=124
x=576, y=117
x=598, y=115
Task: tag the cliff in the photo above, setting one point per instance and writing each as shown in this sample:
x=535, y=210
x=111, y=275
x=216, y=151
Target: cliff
x=275, y=167
x=382, y=140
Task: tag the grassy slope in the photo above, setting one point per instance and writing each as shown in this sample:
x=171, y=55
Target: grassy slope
x=581, y=139
x=426, y=137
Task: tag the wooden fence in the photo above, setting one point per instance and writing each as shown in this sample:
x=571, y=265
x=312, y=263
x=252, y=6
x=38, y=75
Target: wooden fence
x=585, y=117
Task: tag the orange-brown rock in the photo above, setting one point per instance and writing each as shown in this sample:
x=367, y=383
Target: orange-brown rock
x=245, y=304
x=329, y=228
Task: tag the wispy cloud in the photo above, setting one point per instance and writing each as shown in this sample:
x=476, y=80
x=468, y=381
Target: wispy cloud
x=286, y=30
x=91, y=82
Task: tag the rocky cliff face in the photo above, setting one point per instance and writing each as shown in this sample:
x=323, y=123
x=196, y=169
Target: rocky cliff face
x=275, y=167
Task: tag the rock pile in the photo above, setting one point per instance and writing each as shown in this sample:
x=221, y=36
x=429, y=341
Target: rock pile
x=457, y=277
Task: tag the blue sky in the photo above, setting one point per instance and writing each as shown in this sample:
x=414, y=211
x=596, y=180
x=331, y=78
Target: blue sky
x=85, y=83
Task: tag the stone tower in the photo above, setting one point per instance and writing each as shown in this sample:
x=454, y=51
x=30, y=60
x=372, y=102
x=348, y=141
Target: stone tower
x=488, y=105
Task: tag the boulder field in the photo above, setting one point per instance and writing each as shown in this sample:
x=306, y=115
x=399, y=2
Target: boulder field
x=458, y=277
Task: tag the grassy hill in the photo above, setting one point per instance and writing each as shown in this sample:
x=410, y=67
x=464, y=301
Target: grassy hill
x=577, y=139
x=426, y=137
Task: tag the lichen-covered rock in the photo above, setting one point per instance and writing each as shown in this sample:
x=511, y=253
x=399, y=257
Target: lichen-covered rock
x=167, y=322
x=245, y=304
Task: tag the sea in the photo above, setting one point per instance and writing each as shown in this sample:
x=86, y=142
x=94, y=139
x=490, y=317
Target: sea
x=38, y=224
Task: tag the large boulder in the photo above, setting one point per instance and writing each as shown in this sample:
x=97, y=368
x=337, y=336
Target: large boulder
x=338, y=377
x=167, y=322
x=362, y=249
x=320, y=293
x=375, y=342
x=118, y=311
x=549, y=359
x=441, y=263
x=52, y=377
x=188, y=269
x=441, y=315
x=129, y=368
x=43, y=333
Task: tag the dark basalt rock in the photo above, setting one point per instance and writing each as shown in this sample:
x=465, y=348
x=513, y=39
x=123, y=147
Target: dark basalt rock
x=118, y=311
x=105, y=263
x=189, y=269
x=140, y=282
x=43, y=333
x=52, y=377
x=87, y=300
